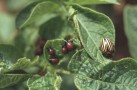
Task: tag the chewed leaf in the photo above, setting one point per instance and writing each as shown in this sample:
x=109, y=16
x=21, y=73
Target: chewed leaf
x=48, y=82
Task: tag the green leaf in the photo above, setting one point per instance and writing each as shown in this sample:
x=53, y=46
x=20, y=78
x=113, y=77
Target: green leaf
x=92, y=27
x=82, y=63
x=88, y=2
x=61, y=29
x=9, y=54
x=110, y=75
x=14, y=73
x=56, y=44
x=130, y=15
x=24, y=14
x=19, y=86
x=18, y=68
x=21, y=64
x=37, y=13
x=48, y=82
x=11, y=79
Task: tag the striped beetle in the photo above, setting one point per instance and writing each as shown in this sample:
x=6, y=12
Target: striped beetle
x=107, y=47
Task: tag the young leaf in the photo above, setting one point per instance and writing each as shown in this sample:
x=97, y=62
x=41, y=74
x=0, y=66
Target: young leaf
x=48, y=82
x=36, y=13
x=111, y=75
x=57, y=44
x=21, y=64
x=88, y=2
x=130, y=16
x=92, y=27
x=11, y=79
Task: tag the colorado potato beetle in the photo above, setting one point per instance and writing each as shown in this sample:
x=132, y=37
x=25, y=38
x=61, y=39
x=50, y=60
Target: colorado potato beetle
x=107, y=47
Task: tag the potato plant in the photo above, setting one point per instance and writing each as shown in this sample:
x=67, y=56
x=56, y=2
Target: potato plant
x=58, y=47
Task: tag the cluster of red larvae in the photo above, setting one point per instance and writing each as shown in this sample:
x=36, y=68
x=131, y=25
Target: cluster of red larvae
x=66, y=48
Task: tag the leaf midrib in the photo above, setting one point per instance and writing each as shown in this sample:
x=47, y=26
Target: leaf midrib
x=89, y=36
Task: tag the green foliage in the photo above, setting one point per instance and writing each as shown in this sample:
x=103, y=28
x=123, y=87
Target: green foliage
x=35, y=14
x=9, y=54
x=130, y=16
x=21, y=64
x=11, y=67
x=61, y=28
x=90, y=24
x=47, y=24
x=14, y=73
x=25, y=41
x=48, y=82
x=56, y=45
x=11, y=79
x=111, y=75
